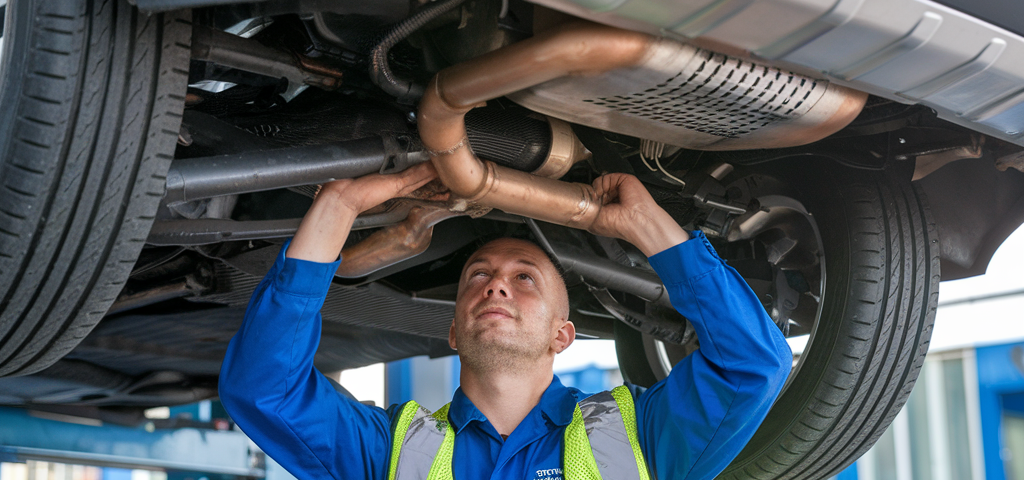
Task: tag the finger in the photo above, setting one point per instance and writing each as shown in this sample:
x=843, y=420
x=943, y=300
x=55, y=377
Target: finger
x=397, y=182
x=601, y=185
x=414, y=178
x=421, y=174
x=607, y=188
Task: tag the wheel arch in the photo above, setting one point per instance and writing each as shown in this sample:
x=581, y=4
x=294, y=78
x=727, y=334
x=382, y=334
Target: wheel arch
x=975, y=208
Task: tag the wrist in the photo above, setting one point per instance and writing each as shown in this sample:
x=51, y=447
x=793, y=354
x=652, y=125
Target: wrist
x=324, y=228
x=658, y=234
x=334, y=197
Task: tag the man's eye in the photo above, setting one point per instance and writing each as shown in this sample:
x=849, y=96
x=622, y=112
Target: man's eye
x=525, y=277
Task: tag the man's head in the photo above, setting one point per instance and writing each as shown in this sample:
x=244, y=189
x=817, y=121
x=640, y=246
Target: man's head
x=512, y=307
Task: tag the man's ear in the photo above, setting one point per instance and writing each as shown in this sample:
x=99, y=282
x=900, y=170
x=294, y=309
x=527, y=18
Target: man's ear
x=564, y=336
x=451, y=335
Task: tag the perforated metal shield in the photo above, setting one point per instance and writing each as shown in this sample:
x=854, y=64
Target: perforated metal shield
x=686, y=96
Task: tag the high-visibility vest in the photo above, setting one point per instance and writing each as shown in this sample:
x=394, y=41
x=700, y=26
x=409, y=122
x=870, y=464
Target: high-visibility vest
x=600, y=442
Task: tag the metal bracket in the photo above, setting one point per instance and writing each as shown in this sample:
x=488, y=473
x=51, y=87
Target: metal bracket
x=664, y=330
x=400, y=153
x=708, y=192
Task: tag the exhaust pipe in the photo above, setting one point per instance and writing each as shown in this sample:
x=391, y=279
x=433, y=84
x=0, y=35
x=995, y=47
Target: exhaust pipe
x=578, y=50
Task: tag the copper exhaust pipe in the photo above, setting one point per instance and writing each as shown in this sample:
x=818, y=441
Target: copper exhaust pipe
x=578, y=49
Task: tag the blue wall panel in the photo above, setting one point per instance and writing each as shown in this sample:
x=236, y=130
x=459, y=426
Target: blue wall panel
x=1000, y=376
x=849, y=474
x=117, y=474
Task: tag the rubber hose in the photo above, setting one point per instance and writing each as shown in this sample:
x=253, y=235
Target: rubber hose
x=405, y=91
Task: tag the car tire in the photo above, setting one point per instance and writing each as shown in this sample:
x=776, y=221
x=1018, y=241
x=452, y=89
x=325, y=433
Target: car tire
x=93, y=94
x=873, y=322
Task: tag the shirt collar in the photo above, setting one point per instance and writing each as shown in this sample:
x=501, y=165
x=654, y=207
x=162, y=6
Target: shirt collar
x=557, y=404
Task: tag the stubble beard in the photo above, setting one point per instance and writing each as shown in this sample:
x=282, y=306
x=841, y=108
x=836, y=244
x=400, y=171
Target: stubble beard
x=506, y=354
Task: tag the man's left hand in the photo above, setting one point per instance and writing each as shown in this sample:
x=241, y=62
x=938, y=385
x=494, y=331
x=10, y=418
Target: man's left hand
x=629, y=212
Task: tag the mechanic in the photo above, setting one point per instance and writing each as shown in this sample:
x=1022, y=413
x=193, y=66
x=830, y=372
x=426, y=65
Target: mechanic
x=511, y=418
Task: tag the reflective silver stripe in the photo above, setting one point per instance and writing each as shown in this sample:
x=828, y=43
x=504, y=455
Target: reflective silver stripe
x=419, y=447
x=608, y=440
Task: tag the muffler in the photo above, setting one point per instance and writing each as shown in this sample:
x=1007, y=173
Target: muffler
x=579, y=56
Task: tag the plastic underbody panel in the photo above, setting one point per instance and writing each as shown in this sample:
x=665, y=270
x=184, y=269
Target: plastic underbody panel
x=912, y=51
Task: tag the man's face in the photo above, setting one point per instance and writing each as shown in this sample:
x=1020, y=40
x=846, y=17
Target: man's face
x=512, y=304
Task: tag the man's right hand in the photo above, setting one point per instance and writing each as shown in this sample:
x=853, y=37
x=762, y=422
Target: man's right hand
x=326, y=225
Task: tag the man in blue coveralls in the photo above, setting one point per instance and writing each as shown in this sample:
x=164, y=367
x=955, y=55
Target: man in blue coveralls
x=511, y=417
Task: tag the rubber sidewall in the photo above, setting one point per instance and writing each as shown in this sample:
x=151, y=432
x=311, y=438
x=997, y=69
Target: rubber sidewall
x=881, y=291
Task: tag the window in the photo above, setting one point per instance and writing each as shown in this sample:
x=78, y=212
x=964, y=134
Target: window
x=932, y=438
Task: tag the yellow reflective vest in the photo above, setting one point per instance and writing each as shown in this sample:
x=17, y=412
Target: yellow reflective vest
x=600, y=442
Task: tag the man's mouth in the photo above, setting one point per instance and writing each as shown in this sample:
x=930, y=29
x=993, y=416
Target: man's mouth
x=496, y=313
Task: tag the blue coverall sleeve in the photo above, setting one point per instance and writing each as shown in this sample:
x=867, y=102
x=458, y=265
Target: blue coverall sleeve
x=271, y=390
x=693, y=423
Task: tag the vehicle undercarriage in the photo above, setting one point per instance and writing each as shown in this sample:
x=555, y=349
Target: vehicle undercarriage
x=155, y=164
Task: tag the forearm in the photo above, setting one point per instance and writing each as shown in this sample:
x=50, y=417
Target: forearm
x=324, y=228
x=656, y=233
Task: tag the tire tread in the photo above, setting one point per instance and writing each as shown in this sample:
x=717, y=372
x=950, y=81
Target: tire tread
x=64, y=266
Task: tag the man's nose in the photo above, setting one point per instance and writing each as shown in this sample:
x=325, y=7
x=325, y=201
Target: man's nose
x=497, y=286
